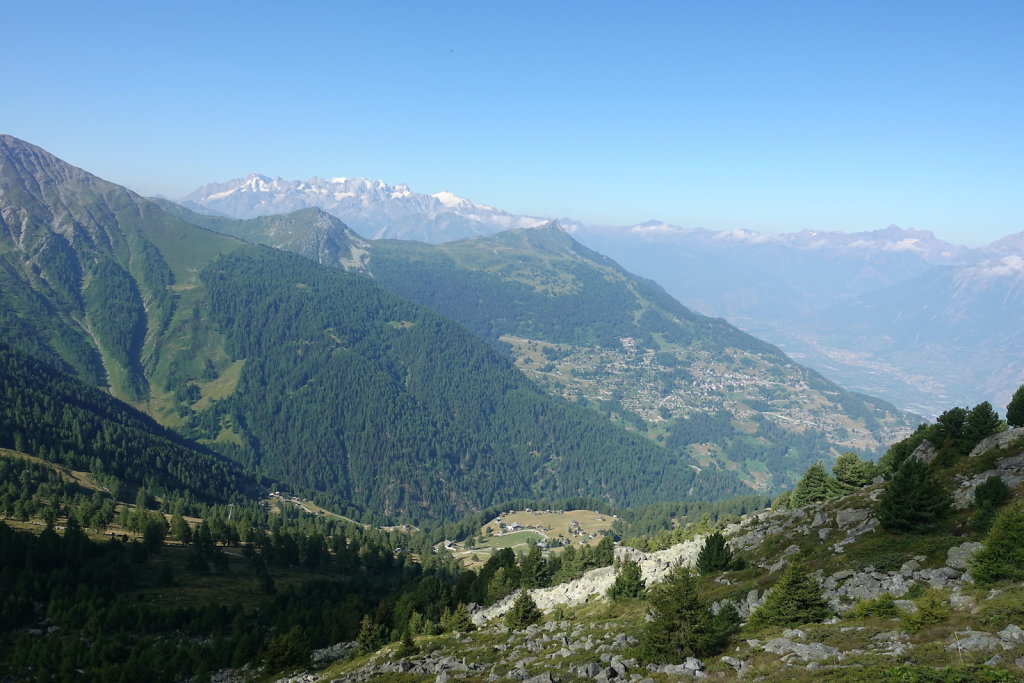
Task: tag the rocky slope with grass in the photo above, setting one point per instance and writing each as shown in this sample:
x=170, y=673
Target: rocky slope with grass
x=903, y=605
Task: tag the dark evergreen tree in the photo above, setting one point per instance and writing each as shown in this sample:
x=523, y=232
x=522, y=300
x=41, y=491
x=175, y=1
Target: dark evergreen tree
x=522, y=613
x=1001, y=558
x=1015, y=408
x=533, y=569
x=180, y=529
x=286, y=650
x=371, y=636
x=989, y=496
x=407, y=647
x=982, y=421
x=950, y=434
x=715, y=555
x=681, y=624
x=458, y=620
x=795, y=599
x=814, y=487
x=913, y=500
x=629, y=581
x=850, y=470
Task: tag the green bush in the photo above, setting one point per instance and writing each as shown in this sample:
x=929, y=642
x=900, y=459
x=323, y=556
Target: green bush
x=1001, y=558
x=883, y=606
x=931, y=609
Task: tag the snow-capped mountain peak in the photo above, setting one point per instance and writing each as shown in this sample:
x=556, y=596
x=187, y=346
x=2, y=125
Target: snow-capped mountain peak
x=370, y=207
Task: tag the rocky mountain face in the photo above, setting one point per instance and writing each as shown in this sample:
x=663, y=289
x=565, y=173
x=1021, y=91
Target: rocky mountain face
x=370, y=207
x=587, y=330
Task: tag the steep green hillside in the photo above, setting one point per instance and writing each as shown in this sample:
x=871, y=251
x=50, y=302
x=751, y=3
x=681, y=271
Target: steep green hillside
x=63, y=421
x=319, y=379
x=349, y=389
x=94, y=278
x=585, y=329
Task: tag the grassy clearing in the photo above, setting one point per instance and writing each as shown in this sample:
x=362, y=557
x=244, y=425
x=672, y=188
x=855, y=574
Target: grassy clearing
x=221, y=387
x=555, y=524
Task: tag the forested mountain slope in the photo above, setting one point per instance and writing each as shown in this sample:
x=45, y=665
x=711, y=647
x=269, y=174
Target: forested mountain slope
x=587, y=330
x=314, y=377
x=58, y=418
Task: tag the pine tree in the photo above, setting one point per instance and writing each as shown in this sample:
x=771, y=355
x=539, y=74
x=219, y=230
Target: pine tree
x=795, y=599
x=407, y=647
x=715, y=555
x=982, y=421
x=813, y=487
x=1001, y=558
x=459, y=620
x=371, y=636
x=989, y=496
x=913, y=501
x=522, y=613
x=629, y=582
x=533, y=569
x=180, y=529
x=1015, y=408
x=852, y=471
x=682, y=624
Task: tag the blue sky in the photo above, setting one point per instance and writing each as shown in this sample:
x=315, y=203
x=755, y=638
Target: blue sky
x=770, y=116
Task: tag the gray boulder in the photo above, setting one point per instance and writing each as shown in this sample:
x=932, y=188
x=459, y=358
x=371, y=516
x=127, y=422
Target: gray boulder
x=1000, y=440
x=925, y=452
x=958, y=556
x=808, y=652
x=976, y=641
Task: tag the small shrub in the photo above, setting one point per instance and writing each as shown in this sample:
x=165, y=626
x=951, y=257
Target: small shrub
x=931, y=609
x=883, y=606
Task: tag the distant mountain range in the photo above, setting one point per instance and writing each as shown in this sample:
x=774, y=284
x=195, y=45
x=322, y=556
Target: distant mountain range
x=370, y=207
x=894, y=313
x=796, y=290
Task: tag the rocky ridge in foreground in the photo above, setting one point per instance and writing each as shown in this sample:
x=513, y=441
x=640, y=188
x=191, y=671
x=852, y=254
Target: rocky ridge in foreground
x=940, y=625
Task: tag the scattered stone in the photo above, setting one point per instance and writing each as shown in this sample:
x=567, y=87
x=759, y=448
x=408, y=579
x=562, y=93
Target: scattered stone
x=541, y=678
x=976, y=641
x=1012, y=634
x=909, y=567
x=961, y=601
x=958, y=556
x=908, y=606
x=809, y=652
